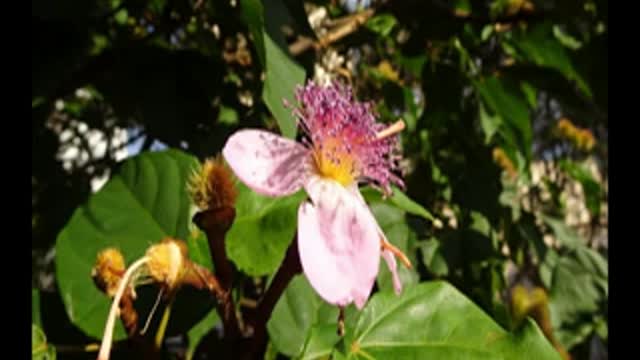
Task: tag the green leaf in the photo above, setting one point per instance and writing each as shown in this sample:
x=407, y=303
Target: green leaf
x=282, y=77
x=567, y=236
x=40, y=349
x=297, y=310
x=509, y=198
x=381, y=24
x=489, y=123
x=253, y=16
x=566, y=39
x=591, y=188
x=320, y=343
x=434, y=320
x=432, y=257
x=530, y=94
x=462, y=8
x=399, y=199
x=35, y=307
x=538, y=45
x=393, y=223
x=142, y=204
x=508, y=103
x=121, y=16
x=262, y=231
x=282, y=74
x=487, y=30
x=579, y=288
x=200, y=330
x=228, y=116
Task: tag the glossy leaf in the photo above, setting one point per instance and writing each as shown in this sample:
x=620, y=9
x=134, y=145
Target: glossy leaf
x=434, y=320
x=262, y=231
x=321, y=342
x=282, y=74
x=296, y=312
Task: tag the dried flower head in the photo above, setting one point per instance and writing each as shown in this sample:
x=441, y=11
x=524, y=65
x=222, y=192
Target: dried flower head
x=213, y=186
x=108, y=270
x=166, y=262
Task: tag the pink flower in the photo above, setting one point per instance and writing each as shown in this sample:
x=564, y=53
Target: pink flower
x=339, y=240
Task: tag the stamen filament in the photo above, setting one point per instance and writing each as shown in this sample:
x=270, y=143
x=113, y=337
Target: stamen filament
x=153, y=311
x=399, y=254
x=393, y=129
x=105, y=347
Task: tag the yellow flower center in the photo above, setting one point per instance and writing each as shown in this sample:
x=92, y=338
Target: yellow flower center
x=334, y=162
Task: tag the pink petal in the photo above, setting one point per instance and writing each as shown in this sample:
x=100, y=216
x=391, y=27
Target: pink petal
x=267, y=163
x=338, y=244
x=388, y=256
x=393, y=267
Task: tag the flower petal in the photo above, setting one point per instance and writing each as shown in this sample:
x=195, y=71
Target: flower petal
x=388, y=255
x=267, y=163
x=393, y=267
x=338, y=243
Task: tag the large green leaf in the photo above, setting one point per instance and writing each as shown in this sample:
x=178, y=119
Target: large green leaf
x=434, y=320
x=262, y=231
x=282, y=74
x=297, y=310
x=143, y=203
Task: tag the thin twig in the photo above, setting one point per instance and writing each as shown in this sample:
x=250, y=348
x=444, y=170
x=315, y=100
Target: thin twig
x=347, y=26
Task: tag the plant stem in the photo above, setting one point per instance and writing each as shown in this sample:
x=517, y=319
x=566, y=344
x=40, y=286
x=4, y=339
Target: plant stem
x=215, y=223
x=288, y=269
